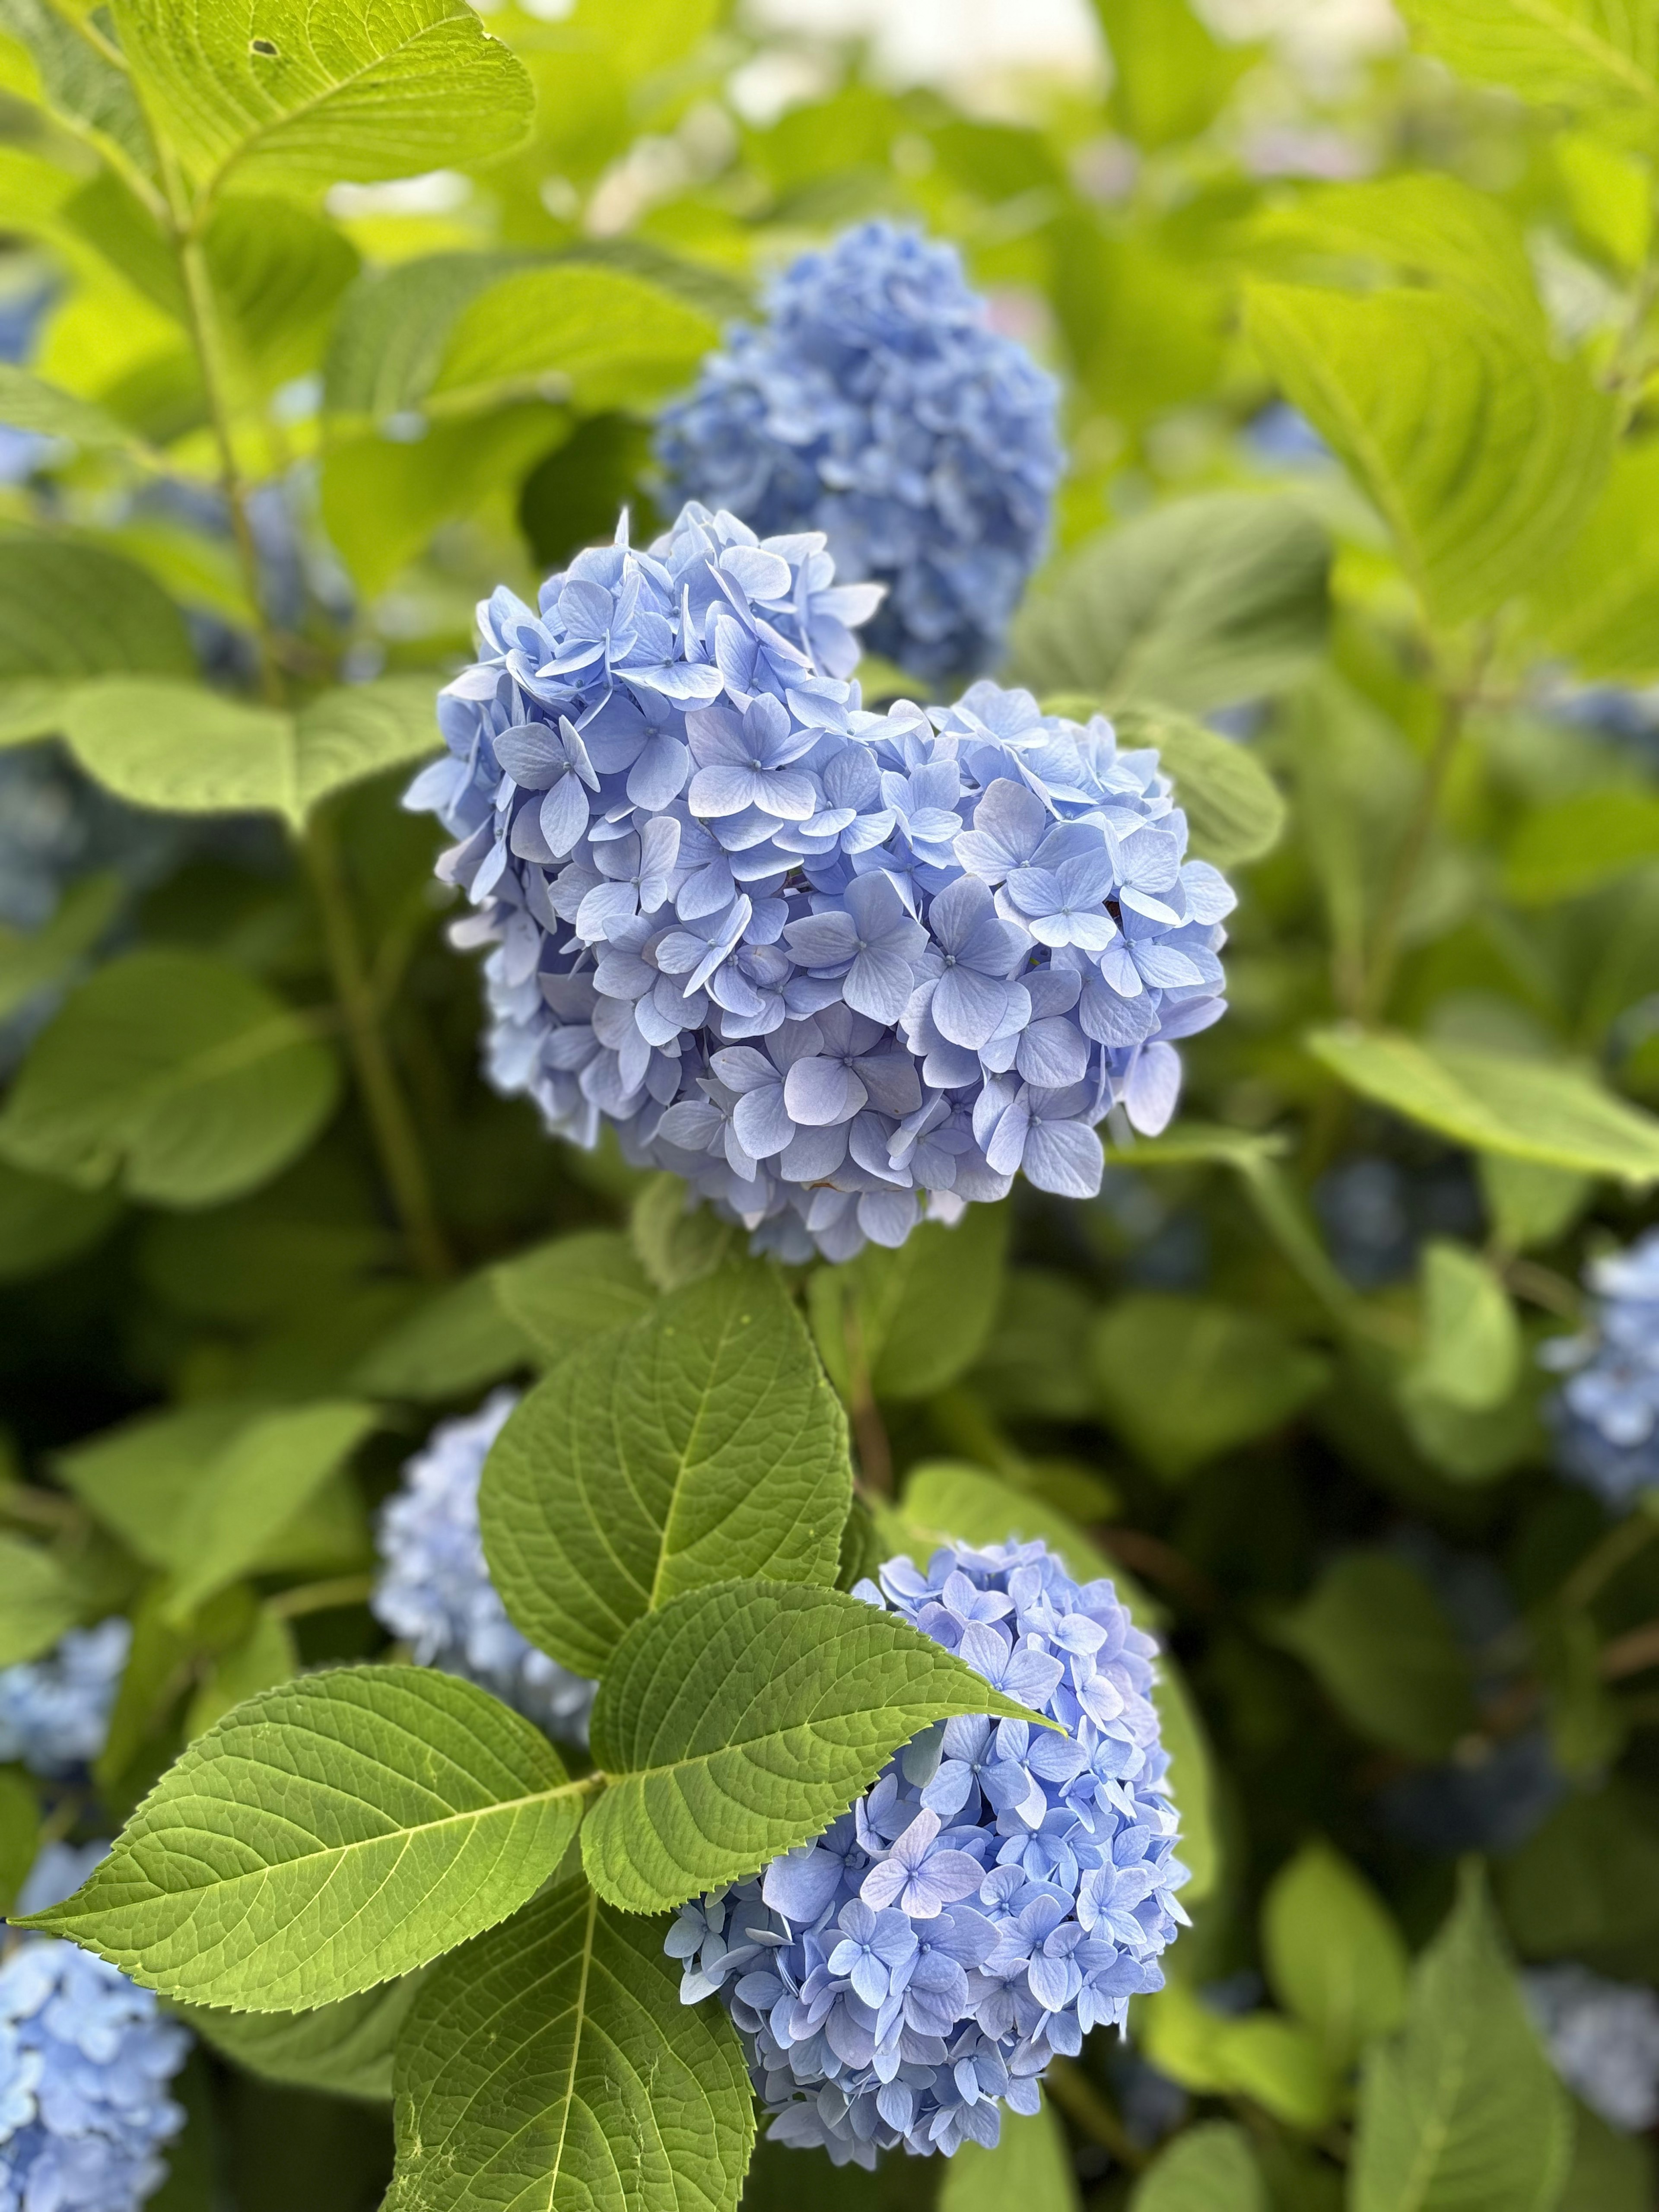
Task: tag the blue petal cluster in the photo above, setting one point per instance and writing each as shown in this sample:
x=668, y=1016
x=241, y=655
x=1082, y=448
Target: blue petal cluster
x=1001, y=1889
x=54, y=1712
x=86, y=2058
x=1603, y=2040
x=876, y=405
x=1606, y=1415
x=836, y=968
x=435, y=1591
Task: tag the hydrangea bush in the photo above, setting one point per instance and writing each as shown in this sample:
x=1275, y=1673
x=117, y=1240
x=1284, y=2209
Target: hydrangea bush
x=1607, y=1412
x=1603, y=2038
x=840, y=970
x=876, y=405
x=999, y=1890
x=54, y=1710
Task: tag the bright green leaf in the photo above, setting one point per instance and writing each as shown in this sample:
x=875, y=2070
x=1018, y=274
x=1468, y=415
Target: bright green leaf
x=291, y=98
x=177, y=1070
x=1233, y=809
x=1472, y=1348
x=1481, y=450
x=1385, y=1653
x=1600, y=55
x=1184, y=1379
x=1332, y=1955
x=742, y=1719
x=192, y=752
x=69, y=609
x=1201, y=603
x=1580, y=844
x=1460, y=2111
x=1030, y=2168
x=28, y=403
x=345, y=2048
x=1169, y=76
x=1599, y=605
x=38, y=1602
x=1532, y=1109
x=1208, y=2168
x=79, y=84
x=325, y=1836
x=1528, y=1204
x=1611, y=195
x=552, y=2063
x=701, y=1444
x=1273, y=2061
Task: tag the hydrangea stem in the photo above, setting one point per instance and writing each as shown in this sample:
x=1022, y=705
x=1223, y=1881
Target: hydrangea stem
x=1608, y=1558
x=389, y=1121
x=1091, y=2112
x=1386, y=945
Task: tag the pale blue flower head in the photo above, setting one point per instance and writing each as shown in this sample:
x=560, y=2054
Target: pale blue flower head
x=1603, y=2040
x=841, y=971
x=435, y=1591
x=876, y=404
x=54, y=1712
x=86, y=2061
x=1000, y=1889
x=1606, y=1415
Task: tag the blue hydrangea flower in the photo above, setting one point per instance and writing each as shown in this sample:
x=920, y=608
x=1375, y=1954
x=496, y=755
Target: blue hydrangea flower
x=54, y=1712
x=1603, y=2040
x=876, y=405
x=1001, y=1888
x=1607, y=1413
x=86, y=2059
x=435, y=1591
x=839, y=970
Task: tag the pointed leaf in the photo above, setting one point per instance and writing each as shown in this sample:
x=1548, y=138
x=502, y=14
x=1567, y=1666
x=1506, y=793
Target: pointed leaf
x=702, y=1445
x=37, y=1602
x=741, y=1720
x=551, y=2063
x=1208, y=2168
x=1602, y=55
x=70, y=609
x=1030, y=2168
x=345, y=2048
x=327, y=1836
x=28, y=403
x=1332, y=1952
x=1374, y=1633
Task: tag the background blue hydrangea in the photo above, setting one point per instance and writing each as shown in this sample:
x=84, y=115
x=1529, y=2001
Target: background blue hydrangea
x=876, y=405
x=434, y=1588
x=838, y=969
x=999, y=1890
x=86, y=2059
x=1606, y=1414
x=54, y=1712
x=1603, y=2038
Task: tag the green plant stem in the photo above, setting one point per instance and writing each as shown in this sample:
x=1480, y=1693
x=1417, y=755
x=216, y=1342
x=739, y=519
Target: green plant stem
x=395, y=1140
x=321, y=1597
x=1631, y=1653
x=1607, y=1559
x=1384, y=961
x=875, y=1453
x=1091, y=2112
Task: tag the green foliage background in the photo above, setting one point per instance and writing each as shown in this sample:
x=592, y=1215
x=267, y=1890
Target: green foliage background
x=261, y=1221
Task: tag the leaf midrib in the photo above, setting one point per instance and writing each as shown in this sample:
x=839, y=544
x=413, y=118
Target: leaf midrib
x=1578, y=35
x=579, y=2023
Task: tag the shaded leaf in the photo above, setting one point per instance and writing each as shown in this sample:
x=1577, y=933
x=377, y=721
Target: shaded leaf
x=1030, y=2168
x=1332, y=1955
x=1184, y=1379
x=1385, y=1654
x=1208, y=2168
x=69, y=609
x=44, y=1222
x=1580, y=844
x=345, y=2047
x=38, y=1602
x=905, y=1323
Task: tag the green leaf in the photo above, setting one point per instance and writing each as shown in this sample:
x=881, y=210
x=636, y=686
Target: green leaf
x=177, y=1071
x=702, y=1445
x=278, y=273
x=1528, y=1204
x=906, y=1322
x=1184, y=1379
x=192, y=752
x=1586, y=1884
x=325, y=1836
x=1233, y=808
x=454, y=1343
x=1334, y=1956
x=361, y=91
x=1169, y=76
x=345, y=2048
x=28, y=403
x=1599, y=606
x=1461, y=2111
x=1580, y=844
x=79, y=84
x=946, y=1500
x=20, y=1834
x=559, y=1294
x=594, y=337
x=1609, y=2173
x=38, y=1602
x=1472, y=1347
x=741, y=1720
x=266, y=1657
x=1207, y=2168
x=30, y=960
x=1481, y=450
x=1497, y=1102
x=44, y=1222
x=1273, y=2061
x=1596, y=54
x=1385, y=1653
x=1030, y=2168
x=1205, y=602
x=1611, y=196
x=676, y=1240
x=552, y=2063
x=393, y=326
x=69, y=609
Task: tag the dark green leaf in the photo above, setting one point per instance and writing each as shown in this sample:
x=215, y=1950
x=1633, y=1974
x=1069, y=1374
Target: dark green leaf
x=905, y=1323
x=44, y=1222
x=345, y=2048
x=38, y=1602
x=1186, y=1378
x=1384, y=1652
x=559, y=1294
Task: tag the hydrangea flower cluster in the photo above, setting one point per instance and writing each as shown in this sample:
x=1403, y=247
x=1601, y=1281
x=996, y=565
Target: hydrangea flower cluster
x=54, y=1712
x=1603, y=2040
x=1001, y=1888
x=435, y=1591
x=834, y=968
x=1607, y=1413
x=876, y=404
x=86, y=2058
